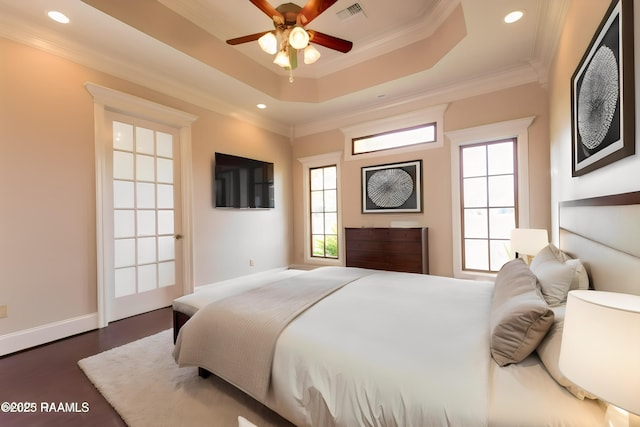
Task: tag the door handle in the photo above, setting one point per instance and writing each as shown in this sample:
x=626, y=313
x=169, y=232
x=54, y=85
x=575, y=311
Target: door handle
x=178, y=236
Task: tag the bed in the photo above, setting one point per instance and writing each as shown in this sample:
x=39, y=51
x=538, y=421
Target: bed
x=385, y=348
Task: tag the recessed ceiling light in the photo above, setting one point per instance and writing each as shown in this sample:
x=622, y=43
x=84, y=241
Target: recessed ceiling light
x=261, y=106
x=58, y=17
x=514, y=16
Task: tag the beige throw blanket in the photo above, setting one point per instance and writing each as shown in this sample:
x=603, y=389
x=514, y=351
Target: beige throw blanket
x=235, y=338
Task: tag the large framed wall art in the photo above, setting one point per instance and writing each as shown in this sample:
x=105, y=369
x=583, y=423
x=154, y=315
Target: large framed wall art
x=392, y=188
x=602, y=94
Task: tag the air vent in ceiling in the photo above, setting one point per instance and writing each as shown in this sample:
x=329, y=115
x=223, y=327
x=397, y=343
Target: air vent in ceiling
x=353, y=10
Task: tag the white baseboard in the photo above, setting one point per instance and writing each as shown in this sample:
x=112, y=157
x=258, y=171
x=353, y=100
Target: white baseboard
x=16, y=341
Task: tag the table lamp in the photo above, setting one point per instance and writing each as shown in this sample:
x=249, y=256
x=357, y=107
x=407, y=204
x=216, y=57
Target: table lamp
x=600, y=350
x=527, y=242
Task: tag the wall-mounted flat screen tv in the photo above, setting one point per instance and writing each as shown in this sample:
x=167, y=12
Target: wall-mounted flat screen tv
x=242, y=183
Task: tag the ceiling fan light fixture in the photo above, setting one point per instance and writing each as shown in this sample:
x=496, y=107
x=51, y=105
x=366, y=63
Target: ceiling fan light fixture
x=282, y=59
x=298, y=38
x=311, y=54
x=268, y=43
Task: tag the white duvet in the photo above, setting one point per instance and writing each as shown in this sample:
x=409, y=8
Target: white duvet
x=397, y=349
x=388, y=352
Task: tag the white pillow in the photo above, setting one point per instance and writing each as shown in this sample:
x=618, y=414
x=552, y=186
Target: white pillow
x=554, y=275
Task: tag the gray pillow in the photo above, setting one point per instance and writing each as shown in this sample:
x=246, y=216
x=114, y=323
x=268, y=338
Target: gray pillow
x=520, y=317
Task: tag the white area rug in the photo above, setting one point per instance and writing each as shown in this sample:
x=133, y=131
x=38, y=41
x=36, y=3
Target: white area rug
x=146, y=387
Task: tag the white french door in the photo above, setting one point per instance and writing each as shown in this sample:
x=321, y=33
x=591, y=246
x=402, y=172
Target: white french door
x=142, y=238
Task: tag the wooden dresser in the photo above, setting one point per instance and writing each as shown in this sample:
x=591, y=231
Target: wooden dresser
x=393, y=249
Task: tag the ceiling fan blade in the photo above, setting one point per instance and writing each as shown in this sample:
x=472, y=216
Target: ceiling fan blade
x=246, y=39
x=266, y=7
x=331, y=42
x=313, y=8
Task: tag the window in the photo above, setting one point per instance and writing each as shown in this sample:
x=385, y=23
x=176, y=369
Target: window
x=490, y=194
x=324, y=211
x=394, y=139
x=488, y=188
x=417, y=130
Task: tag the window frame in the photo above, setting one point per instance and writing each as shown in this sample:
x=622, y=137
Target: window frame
x=312, y=162
x=512, y=129
x=488, y=207
x=324, y=212
x=426, y=116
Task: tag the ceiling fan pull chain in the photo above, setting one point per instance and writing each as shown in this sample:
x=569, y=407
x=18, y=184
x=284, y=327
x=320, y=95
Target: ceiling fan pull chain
x=290, y=75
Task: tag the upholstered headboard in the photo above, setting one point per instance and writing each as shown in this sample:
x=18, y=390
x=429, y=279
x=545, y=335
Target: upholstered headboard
x=604, y=232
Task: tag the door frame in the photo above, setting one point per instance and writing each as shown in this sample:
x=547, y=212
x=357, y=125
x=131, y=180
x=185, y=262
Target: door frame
x=105, y=99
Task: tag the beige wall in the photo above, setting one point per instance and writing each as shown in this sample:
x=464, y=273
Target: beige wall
x=519, y=102
x=622, y=176
x=47, y=191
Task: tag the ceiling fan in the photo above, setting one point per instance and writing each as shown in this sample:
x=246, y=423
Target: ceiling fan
x=289, y=21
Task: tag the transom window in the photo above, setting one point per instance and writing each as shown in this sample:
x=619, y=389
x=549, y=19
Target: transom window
x=488, y=188
x=420, y=134
x=323, y=185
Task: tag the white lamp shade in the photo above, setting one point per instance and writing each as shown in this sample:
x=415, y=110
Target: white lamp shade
x=528, y=241
x=282, y=59
x=268, y=43
x=298, y=38
x=601, y=346
x=311, y=54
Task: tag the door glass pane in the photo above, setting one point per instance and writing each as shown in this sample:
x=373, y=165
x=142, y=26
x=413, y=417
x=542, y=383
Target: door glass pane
x=165, y=170
x=165, y=196
x=146, y=195
x=145, y=169
x=166, y=248
x=165, y=222
x=166, y=274
x=122, y=136
x=122, y=165
x=124, y=223
x=147, y=278
x=146, y=223
x=147, y=250
x=164, y=144
x=124, y=253
x=125, y=281
x=144, y=141
x=123, y=195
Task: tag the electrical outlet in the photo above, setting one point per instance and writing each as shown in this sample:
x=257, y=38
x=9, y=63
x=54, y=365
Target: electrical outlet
x=3, y=311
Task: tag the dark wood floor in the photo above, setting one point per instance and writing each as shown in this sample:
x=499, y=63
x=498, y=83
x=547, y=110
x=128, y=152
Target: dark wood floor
x=49, y=374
